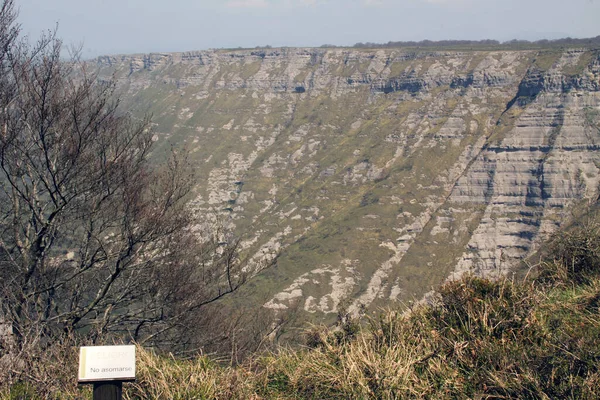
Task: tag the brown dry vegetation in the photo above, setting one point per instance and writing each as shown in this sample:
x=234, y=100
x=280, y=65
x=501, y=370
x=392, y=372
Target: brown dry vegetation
x=537, y=338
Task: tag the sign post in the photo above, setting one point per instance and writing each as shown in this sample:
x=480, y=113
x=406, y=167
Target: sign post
x=107, y=367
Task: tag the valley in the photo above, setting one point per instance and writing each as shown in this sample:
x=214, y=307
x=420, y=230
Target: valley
x=363, y=178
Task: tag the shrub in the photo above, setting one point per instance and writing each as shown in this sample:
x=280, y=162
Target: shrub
x=573, y=256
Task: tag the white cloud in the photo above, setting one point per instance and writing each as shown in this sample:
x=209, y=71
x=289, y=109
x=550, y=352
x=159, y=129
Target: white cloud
x=247, y=4
x=449, y=2
x=271, y=3
x=303, y=2
x=395, y=2
x=312, y=3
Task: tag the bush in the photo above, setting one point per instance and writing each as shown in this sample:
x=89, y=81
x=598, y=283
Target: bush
x=573, y=256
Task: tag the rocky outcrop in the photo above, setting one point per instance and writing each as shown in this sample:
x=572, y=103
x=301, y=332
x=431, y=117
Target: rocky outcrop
x=371, y=176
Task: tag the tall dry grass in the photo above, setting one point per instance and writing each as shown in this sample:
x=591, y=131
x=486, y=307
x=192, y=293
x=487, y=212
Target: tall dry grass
x=481, y=339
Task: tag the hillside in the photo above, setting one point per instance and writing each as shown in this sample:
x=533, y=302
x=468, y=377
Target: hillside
x=368, y=177
x=535, y=338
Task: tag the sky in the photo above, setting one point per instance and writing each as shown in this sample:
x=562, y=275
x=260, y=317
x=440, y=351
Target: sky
x=105, y=27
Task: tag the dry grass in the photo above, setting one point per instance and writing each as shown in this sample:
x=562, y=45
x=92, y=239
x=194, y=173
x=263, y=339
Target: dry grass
x=537, y=339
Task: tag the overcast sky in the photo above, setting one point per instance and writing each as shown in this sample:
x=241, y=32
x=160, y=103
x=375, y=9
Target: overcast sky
x=142, y=26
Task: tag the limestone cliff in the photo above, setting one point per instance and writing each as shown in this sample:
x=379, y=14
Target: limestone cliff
x=374, y=175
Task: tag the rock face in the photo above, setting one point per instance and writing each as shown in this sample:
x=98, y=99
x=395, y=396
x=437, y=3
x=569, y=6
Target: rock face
x=371, y=176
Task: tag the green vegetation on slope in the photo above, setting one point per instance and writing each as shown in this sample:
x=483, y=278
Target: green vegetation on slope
x=537, y=338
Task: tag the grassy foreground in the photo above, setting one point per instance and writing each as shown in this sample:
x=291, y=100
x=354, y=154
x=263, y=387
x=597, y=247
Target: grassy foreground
x=538, y=338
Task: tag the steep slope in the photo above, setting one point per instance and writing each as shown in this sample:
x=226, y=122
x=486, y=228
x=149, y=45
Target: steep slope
x=372, y=176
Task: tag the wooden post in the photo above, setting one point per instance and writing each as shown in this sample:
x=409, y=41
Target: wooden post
x=112, y=390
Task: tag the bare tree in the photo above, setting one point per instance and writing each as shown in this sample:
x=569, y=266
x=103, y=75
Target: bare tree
x=94, y=238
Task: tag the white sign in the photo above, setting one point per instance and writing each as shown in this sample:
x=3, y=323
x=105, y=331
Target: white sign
x=106, y=363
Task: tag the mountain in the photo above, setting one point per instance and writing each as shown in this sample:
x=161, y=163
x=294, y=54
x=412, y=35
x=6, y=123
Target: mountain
x=370, y=176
